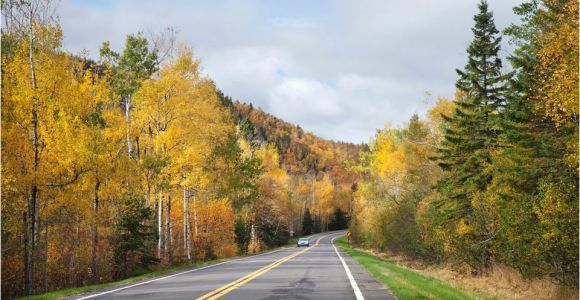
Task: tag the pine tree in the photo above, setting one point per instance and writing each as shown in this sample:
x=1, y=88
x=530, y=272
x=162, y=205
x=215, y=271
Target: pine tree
x=133, y=237
x=470, y=138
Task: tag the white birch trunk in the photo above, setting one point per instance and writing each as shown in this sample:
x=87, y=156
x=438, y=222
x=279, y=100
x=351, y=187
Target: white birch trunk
x=168, y=249
x=31, y=242
x=95, y=232
x=186, y=226
x=127, y=103
x=160, y=226
x=195, y=227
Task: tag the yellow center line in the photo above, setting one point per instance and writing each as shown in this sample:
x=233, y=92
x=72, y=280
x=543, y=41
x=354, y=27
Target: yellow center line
x=221, y=291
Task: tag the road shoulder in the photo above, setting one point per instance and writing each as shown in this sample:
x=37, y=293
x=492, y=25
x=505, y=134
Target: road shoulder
x=369, y=286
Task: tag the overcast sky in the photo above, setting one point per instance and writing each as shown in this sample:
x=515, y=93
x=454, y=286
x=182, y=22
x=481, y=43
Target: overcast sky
x=340, y=69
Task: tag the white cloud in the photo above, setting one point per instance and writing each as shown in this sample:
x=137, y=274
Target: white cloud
x=338, y=68
x=305, y=100
x=248, y=73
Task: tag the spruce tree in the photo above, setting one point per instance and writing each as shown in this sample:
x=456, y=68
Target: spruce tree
x=470, y=139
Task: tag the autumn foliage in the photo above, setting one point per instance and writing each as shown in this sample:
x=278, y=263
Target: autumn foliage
x=491, y=176
x=135, y=162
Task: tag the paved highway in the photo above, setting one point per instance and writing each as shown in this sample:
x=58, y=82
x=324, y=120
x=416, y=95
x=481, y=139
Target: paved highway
x=320, y=271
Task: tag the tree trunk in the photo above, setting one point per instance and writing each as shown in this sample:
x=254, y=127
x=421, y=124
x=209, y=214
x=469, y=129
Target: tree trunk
x=253, y=239
x=95, y=232
x=29, y=247
x=186, y=225
x=160, y=227
x=127, y=103
x=45, y=263
x=26, y=254
x=168, y=249
x=148, y=193
x=195, y=227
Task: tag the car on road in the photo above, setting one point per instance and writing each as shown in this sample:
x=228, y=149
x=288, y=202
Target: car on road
x=303, y=242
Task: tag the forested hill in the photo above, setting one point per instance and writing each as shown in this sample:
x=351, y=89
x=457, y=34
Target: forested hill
x=301, y=152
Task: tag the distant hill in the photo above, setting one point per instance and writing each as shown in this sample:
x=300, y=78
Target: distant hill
x=301, y=152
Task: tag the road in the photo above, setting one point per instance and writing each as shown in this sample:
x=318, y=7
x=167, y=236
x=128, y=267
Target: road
x=316, y=272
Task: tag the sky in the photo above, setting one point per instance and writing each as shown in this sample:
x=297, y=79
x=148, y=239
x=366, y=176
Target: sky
x=339, y=69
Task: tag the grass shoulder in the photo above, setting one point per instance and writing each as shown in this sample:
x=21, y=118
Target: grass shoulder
x=405, y=283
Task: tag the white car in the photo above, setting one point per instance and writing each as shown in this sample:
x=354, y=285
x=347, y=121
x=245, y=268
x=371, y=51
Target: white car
x=303, y=242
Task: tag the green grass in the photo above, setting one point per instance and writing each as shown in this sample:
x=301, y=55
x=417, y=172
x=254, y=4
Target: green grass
x=403, y=282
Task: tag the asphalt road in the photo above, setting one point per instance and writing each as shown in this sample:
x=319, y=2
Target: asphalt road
x=316, y=272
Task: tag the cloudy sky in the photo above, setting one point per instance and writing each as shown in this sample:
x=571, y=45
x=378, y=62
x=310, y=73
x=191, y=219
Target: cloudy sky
x=339, y=69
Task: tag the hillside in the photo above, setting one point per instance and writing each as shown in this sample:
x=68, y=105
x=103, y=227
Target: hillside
x=301, y=152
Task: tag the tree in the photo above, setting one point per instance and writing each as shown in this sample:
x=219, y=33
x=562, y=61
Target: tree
x=34, y=36
x=129, y=69
x=338, y=221
x=525, y=189
x=243, y=234
x=307, y=226
x=133, y=238
x=471, y=136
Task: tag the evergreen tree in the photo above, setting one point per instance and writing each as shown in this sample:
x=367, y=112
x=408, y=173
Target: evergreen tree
x=133, y=238
x=307, y=223
x=470, y=138
x=243, y=234
x=338, y=221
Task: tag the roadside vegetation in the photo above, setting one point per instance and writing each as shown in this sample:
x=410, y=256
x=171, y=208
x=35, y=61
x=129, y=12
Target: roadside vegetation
x=489, y=179
x=404, y=283
x=134, y=161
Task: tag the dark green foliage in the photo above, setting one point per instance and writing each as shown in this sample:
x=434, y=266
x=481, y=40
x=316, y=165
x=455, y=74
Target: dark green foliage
x=338, y=220
x=225, y=101
x=316, y=224
x=307, y=224
x=243, y=234
x=133, y=238
x=470, y=139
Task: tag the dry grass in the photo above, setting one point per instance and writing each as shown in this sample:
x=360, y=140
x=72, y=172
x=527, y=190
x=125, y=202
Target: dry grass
x=501, y=282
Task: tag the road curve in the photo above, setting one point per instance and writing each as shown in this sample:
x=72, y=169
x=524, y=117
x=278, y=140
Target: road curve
x=316, y=272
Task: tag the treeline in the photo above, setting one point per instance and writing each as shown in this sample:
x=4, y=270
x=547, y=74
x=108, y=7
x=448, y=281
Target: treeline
x=134, y=162
x=492, y=176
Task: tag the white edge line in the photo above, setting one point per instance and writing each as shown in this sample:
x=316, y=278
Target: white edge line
x=357, y=292
x=189, y=271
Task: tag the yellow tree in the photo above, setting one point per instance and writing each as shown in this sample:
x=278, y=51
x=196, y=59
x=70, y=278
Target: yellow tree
x=388, y=162
x=180, y=122
x=51, y=105
x=324, y=200
x=558, y=68
x=271, y=215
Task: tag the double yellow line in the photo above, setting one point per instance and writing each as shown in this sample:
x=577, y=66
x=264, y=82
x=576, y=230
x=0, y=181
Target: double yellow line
x=219, y=292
